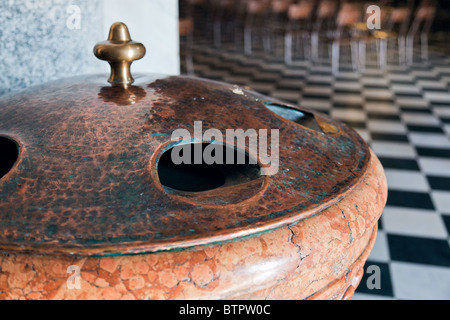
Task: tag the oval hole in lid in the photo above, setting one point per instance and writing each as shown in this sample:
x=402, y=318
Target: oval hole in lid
x=303, y=118
x=197, y=173
x=9, y=153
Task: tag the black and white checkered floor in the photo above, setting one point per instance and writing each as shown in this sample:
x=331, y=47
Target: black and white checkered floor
x=404, y=114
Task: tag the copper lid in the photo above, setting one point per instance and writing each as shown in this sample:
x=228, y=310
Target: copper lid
x=87, y=180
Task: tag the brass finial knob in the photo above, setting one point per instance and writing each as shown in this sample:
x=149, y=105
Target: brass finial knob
x=120, y=51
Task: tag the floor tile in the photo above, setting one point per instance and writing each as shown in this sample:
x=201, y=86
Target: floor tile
x=350, y=86
x=393, y=149
x=378, y=94
x=381, y=108
x=403, y=164
x=393, y=137
x=348, y=98
x=409, y=199
x=406, y=180
x=371, y=270
x=399, y=88
x=446, y=220
x=419, y=250
x=437, y=96
x=442, y=111
x=441, y=200
x=419, y=282
x=420, y=103
x=380, y=251
x=425, y=128
x=441, y=152
x=413, y=222
x=430, y=140
x=321, y=105
x=350, y=114
x=439, y=183
x=435, y=166
x=386, y=126
x=413, y=118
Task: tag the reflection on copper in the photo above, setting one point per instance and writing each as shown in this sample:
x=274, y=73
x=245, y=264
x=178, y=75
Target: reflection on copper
x=122, y=96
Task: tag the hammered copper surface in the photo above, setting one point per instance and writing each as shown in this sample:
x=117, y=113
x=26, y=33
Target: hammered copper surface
x=321, y=257
x=86, y=181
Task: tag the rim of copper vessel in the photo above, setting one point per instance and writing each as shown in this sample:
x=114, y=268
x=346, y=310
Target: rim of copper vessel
x=142, y=247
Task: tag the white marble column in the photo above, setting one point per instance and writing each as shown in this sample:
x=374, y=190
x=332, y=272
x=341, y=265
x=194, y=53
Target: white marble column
x=44, y=40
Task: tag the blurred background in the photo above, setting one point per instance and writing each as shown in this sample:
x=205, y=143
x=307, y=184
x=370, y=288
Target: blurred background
x=381, y=67
x=316, y=31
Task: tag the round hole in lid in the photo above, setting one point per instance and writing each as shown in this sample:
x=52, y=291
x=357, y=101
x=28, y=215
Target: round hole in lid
x=9, y=153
